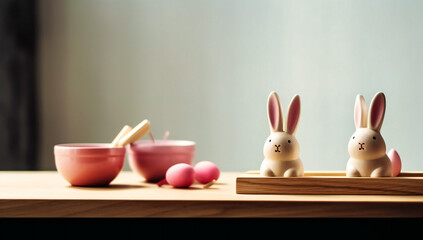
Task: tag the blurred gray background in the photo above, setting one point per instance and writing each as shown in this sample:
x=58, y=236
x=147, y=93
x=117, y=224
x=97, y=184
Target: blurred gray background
x=203, y=71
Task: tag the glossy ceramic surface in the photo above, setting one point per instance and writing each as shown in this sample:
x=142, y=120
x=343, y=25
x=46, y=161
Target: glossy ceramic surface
x=89, y=164
x=152, y=160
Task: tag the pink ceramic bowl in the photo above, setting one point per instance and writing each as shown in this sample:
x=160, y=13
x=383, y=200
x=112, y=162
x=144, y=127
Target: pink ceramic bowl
x=89, y=164
x=151, y=160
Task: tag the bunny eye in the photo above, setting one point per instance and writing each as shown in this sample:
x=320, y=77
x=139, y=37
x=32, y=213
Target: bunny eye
x=270, y=140
x=374, y=138
x=353, y=137
x=289, y=141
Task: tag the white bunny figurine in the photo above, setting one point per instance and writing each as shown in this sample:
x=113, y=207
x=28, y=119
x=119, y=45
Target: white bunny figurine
x=366, y=147
x=281, y=149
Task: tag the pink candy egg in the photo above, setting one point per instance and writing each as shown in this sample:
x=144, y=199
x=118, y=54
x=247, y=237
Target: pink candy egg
x=180, y=175
x=206, y=172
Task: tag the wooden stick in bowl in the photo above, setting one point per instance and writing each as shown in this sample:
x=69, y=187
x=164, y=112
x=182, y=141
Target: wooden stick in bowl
x=138, y=132
x=125, y=130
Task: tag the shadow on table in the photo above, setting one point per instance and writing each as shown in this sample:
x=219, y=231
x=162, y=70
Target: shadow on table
x=108, y=187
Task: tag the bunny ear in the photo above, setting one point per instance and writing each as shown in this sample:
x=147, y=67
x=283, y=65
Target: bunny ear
x=377, y=111
x=274, y=112
x=294, y=112
x=360, y=112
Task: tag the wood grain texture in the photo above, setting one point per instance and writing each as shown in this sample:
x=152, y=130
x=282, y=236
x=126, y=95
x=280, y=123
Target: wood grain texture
x=408, y=183
x=46, y=194
x=205, y=209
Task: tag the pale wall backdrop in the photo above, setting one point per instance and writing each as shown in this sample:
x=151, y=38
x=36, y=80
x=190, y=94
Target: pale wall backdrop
x=203, y=71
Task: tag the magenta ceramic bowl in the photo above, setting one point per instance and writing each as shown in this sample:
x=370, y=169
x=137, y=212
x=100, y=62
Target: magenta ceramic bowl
x=151, y=160
x=89, y=164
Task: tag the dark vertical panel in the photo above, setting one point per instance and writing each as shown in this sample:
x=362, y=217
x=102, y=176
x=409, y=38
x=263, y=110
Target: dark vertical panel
x=18, y=106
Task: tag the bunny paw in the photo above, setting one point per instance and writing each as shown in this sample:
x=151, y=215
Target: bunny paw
x=379, y=172
x=353, y=173
x=290, y=173
x=267, y=173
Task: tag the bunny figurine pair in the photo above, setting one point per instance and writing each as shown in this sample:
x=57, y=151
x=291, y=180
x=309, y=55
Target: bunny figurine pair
x=367, y=148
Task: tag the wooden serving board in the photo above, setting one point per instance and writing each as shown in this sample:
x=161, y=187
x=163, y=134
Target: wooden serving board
x=323, y=183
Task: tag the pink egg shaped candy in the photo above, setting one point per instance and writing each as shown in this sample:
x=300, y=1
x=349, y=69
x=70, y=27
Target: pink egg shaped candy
x=206, y=172
x=180, y=175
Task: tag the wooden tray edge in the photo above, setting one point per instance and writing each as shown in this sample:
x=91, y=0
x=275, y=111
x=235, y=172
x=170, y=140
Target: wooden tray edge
x=330, y=183
x=407, y=174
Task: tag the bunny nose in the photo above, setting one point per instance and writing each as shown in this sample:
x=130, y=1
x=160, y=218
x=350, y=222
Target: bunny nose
x=361, y=146
x=277, y=148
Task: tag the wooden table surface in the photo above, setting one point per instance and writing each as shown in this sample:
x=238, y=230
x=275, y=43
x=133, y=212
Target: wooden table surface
x=47, y=194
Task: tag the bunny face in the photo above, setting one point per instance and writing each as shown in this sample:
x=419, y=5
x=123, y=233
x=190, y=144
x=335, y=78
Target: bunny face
x=367, y=143
x=282, y=145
